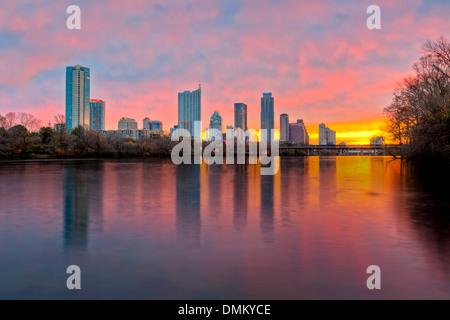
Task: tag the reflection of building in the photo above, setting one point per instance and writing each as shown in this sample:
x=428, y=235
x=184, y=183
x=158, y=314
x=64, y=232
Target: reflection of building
x=189, y=110
x=240, y=196
x=78, y=86
x=267, y=207
x=284, y=127
x=240, y=116
x=83, y=200
x=327, y=137
x=298, y=133
x=127, y=124
x=97, y=115
x=188, y=205
x=267, y=115
x=376, y=141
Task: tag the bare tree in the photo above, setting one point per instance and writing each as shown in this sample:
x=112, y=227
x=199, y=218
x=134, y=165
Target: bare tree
x=420, y=108
x=10, y=120
x=29, y=121
x=60, y=118
x=2, y=121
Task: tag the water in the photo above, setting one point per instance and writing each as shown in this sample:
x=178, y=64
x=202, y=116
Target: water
x=148, y=229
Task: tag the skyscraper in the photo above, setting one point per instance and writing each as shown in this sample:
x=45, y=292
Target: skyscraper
x=190, y=110
x=156, y=125
x=240, y=116
x=97, y=115
x=298, y=132
x=127, y=124
x=327, y=137
x=78, y=84
x=284, y=127
x=216, y=121
x=146, y=124
x=267, y=116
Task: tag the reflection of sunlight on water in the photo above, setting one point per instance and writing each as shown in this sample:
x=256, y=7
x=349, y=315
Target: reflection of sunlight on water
x=224, y=230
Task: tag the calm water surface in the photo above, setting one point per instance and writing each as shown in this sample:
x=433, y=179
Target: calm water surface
x=149, y=229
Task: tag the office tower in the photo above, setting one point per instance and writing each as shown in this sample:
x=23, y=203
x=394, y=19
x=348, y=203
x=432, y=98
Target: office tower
x=377, y=141
x=97, y=115
x=189, y=110
x=327, y=137
x=156, y=126
x=240, y=116
x=127, y=124
x=284, y=127
x=298, y=132
x=216, y=121
x=146, y=124
x=78, y=81
x=175, y=127
x=267, y=116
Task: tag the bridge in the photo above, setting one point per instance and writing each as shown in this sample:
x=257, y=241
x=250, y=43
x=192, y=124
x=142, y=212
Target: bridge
x=344, y=150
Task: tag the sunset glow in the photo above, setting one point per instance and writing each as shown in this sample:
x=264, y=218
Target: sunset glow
x=319, y=60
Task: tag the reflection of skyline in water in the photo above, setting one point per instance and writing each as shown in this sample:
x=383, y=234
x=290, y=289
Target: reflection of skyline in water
x=267, y=208
x=83, y=200
x=188, y=206
x=307, y=232
x=240, y=196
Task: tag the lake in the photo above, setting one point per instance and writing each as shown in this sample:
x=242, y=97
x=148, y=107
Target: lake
x=149, y=229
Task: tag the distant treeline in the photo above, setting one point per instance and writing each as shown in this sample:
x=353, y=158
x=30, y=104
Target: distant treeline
x=28, y=140
x=419, y=115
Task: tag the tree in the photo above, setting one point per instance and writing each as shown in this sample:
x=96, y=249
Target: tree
x=10, y=120
x=2, y=121
x=29, y=121
x=421, y=103
x=19, y=139
x=46, y=134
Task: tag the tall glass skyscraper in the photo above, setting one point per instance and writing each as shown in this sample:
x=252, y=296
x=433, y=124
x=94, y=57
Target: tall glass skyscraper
x=284, y=127
x=78, y=87
x=267, y=115
x=240, y=116
x=190, y=110
x=97, y=115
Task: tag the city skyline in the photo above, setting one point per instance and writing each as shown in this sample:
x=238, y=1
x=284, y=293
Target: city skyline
x=326, y=67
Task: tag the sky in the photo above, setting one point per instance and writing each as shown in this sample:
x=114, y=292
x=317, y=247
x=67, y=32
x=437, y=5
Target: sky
x=318, y=58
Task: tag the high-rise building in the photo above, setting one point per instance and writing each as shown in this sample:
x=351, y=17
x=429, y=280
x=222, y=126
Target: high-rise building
x=298, y=133
x=216, y=121
x=240, y=116
x=78, y=84
x=127, y=124
x=377, y=141
x=97, y=115
x=156, y=126
x=327, y=137
x=284, y=127
x=267, y=115
x=146, y=124
x=190, y=110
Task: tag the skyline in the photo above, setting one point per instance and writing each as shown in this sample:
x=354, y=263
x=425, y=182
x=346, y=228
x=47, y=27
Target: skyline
x=318, y=59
